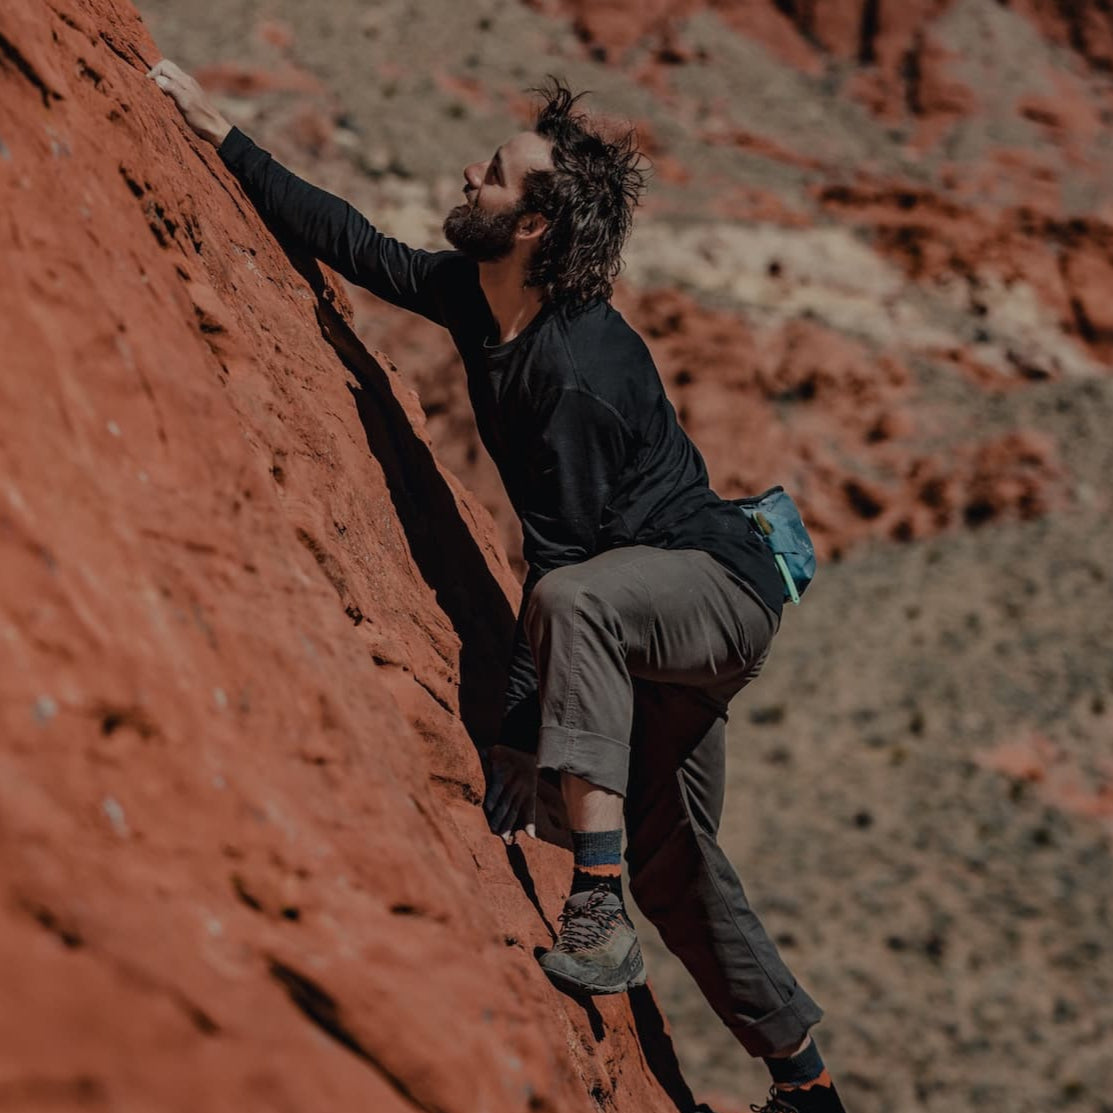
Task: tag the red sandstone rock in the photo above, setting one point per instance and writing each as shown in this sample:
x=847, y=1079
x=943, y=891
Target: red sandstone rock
x=913, y=81
x=467, y=89
x=241, y=80
x=1067, y=261
x=1035, y=759
x=311, y=131
x=276, y=33
x=1084, y=26
x=247, y=624
x=1070, y=117
x=611, y=28
x=760, y=145
x=758, y=206
x=810, y=408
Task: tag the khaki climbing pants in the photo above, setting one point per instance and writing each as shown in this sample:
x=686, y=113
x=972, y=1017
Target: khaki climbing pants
x=638, y=652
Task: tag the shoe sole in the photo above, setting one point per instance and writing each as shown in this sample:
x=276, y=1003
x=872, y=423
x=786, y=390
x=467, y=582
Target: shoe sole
x=634, y=977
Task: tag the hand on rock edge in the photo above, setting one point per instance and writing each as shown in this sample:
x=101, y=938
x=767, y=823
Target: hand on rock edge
x=511, y=800
x=192, y=101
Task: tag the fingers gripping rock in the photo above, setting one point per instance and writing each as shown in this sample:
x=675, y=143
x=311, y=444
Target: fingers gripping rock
x=194, y=104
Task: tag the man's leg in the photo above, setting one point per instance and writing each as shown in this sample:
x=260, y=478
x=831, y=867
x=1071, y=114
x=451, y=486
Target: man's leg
x=592, y=626
x=684, y=883
x=677, y=630
x=598, y=949
x=672, y=616
x=581, y=620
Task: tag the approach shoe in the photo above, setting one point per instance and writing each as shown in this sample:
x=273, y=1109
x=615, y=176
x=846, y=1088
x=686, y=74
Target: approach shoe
x=597, y=950
x=818, y=1099
x=777, y=1103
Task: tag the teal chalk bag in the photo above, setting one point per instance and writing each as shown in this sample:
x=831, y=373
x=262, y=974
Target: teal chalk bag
x=775, y=516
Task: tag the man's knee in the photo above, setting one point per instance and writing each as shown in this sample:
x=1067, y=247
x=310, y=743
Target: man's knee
x=555, y=593
x=562, y=593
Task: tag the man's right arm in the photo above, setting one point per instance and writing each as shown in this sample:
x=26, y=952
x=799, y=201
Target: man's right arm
x=324, y=224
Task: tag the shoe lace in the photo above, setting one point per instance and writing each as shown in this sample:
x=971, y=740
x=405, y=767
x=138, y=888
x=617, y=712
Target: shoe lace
x=587, y=925
x=774, y=1104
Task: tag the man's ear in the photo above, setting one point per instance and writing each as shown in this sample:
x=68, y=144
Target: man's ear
x=531, y=225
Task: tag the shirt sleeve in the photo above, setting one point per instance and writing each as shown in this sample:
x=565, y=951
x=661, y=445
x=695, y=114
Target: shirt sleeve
x=581, y=447
x=334, y=231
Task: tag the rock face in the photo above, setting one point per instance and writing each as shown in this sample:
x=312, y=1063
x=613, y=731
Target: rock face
x=249, y=626
x=872, y=256
x=251, y=635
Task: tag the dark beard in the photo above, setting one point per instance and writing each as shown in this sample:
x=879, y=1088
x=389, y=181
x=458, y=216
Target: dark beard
x=482, y=236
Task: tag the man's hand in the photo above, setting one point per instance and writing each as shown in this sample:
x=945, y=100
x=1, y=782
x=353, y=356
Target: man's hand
x=511, y=799
x=192, y=101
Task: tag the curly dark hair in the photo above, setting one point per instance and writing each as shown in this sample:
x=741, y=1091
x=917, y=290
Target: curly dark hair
x=588, y=199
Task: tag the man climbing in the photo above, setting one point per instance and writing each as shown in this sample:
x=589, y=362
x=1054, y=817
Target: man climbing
x=649, y=602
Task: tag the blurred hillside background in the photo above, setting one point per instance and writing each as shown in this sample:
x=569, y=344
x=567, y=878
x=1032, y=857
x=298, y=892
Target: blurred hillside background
x=875, y=264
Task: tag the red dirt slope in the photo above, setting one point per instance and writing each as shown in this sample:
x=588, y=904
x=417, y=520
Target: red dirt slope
x=249, y=629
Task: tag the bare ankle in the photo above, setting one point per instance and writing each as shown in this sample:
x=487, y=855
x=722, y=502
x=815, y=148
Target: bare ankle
x=788, y=1054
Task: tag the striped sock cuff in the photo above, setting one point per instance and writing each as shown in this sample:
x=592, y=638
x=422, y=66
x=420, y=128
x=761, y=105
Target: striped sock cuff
x=612, y=870
x=798, y=1070
x=594, y=849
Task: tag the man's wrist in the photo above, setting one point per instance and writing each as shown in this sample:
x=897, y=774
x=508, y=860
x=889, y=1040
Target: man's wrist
x=218, y=132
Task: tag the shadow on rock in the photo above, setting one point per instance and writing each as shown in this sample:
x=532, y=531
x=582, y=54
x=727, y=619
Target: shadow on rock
x=660, y=1055
x=520, y=867
x=656, y=1043
x=443, y=547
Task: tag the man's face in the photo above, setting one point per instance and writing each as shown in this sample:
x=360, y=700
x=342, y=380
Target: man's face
x=485, y=227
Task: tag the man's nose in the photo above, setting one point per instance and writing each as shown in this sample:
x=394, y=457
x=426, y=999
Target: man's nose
x=473, y=174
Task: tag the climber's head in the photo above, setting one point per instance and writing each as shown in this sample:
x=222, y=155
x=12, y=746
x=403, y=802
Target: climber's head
x=562, y=196
x=493, y=221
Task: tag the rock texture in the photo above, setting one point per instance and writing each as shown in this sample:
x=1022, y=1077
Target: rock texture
x=892, y=261
x=250, y=634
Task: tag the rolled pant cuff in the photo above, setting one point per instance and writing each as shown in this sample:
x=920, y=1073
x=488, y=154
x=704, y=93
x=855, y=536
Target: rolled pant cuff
x=782, y=1029
x=599, y=760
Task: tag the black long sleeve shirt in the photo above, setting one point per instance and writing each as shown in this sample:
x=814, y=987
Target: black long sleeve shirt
x=572, y=410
